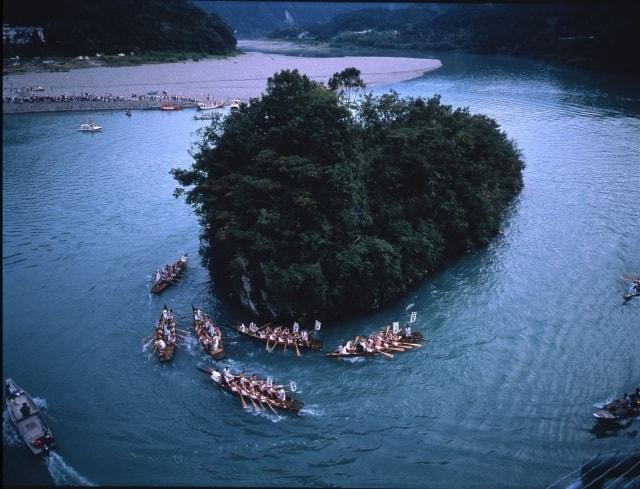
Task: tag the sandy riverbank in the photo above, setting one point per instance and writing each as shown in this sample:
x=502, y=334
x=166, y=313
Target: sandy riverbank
x=242, y=76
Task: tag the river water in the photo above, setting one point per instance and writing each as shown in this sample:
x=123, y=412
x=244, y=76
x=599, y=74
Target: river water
x=525, y=335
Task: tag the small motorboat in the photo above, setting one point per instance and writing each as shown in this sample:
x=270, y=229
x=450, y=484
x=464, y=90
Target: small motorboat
x=210, y=105
x=127, y=112
x=27, y=419
x=89, y=127
x=235, y=104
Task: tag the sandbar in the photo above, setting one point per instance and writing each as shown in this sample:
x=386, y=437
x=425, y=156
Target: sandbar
x=243, y=76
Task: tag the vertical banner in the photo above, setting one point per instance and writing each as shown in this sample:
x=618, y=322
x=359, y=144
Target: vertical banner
x=396, y=327
x=296, y=327
x=414, y=315
x=317, y=326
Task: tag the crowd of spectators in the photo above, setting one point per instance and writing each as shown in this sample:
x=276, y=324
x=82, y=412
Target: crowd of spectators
x=26, y=97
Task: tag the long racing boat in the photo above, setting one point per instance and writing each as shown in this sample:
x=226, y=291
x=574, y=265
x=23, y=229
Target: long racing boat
x=208, y=333
x=168, y=275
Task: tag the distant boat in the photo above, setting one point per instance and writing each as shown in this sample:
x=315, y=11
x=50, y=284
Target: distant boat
x=38, y=88
x=235, y=104
x=170, y=107
x=127, y=112
x=27, y=419
x=204, y=117
x=210, y=105
x=89, y=127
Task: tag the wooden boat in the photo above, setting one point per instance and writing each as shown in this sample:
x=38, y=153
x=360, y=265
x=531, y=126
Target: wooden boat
x=289, y=403
x=632, y=292
x=169, y=275
x=200, y=321
x=164, y=335
x=293, y=341
x=619, y=409
x=170, y=107
x=403, y=342
x=28, y=419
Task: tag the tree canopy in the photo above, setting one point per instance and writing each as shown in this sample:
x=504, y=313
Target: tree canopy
x=310, y=208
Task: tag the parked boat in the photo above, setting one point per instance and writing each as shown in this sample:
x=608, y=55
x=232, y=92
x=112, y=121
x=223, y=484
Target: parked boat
x=89, y=127
x=28, y=419
x=164, y=335
x=296, y=339
x=259, y=392
x=168, y=275
x=235, y=104
x=170, y=107
x=208, y=333
x=210, y=105
x=619, y=409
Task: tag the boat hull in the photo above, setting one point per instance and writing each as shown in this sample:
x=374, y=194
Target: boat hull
x=32, y=428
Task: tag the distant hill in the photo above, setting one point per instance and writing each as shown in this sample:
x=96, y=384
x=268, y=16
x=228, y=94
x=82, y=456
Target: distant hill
x=587, y=35
x=76, y=27
x=257, y=19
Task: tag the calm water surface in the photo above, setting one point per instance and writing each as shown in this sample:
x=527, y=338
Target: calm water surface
x=525, y=335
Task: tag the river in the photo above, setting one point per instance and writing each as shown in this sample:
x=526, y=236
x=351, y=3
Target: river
x=525, y=335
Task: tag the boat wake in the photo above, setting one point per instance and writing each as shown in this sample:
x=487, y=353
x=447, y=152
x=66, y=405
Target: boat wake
x=63, y=474
x=312, y=411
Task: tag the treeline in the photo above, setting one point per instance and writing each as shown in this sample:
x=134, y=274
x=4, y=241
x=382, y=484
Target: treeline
x=312, y=205
x=257, y=19
x=592, y=35
x=74, y=27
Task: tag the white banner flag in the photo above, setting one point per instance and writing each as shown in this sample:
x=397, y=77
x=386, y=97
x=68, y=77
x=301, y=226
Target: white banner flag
x=414, y=314
x=318, y=324
x=296, y=327
x=396, y=327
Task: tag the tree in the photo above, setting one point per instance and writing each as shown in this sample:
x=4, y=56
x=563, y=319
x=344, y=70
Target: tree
x=309, y=208
x=347, y=83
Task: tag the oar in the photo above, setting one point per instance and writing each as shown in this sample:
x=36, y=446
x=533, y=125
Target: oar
x=244, y=404
x=295, y=343
x=393, y=348
x=388, y=355
x=285, y=344
x=268, y=403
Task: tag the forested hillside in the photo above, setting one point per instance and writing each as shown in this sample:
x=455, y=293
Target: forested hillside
x=587, y=35
x=73, y=27
x=257, y=19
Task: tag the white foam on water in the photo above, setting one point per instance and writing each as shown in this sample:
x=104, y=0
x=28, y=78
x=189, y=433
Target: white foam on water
x=312, y=411
x=409, y=306
x=63, y=474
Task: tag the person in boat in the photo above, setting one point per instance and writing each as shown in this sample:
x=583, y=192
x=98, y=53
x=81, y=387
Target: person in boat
x=253, y=327
x=304, y=335
x=281, y=395
x=627, y=401
x=25, y=410
x=183, y=259
x=349, y=346
x=242, y=328
x=215, y=343
x=226, y=374
x=342, y=350
x=212, y=330
x=215, y=376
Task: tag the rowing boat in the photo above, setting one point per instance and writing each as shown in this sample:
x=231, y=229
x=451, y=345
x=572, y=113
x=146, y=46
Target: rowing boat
x=164, y=335
x=203, y=324
x=267, y=336
x=28, y=419
x=231, y=386
x=169, y=275
x=619, y=409
x=399, y=343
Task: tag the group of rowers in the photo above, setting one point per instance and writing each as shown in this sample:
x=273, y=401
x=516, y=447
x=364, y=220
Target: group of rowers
x=634, y=288
x=279, y=335
x=165, y=332
x=259, y=390
x=209, y=335
x=170, y=272
x=377, y=342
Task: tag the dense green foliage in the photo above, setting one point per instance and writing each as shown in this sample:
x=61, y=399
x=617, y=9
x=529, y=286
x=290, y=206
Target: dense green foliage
x=586, y=35
x=73, y=27
x=313, y=209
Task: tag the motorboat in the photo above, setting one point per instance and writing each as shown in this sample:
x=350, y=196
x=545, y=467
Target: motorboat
x=210, y=105
x=235, y=104
x=28, y=419
x=89, y=127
